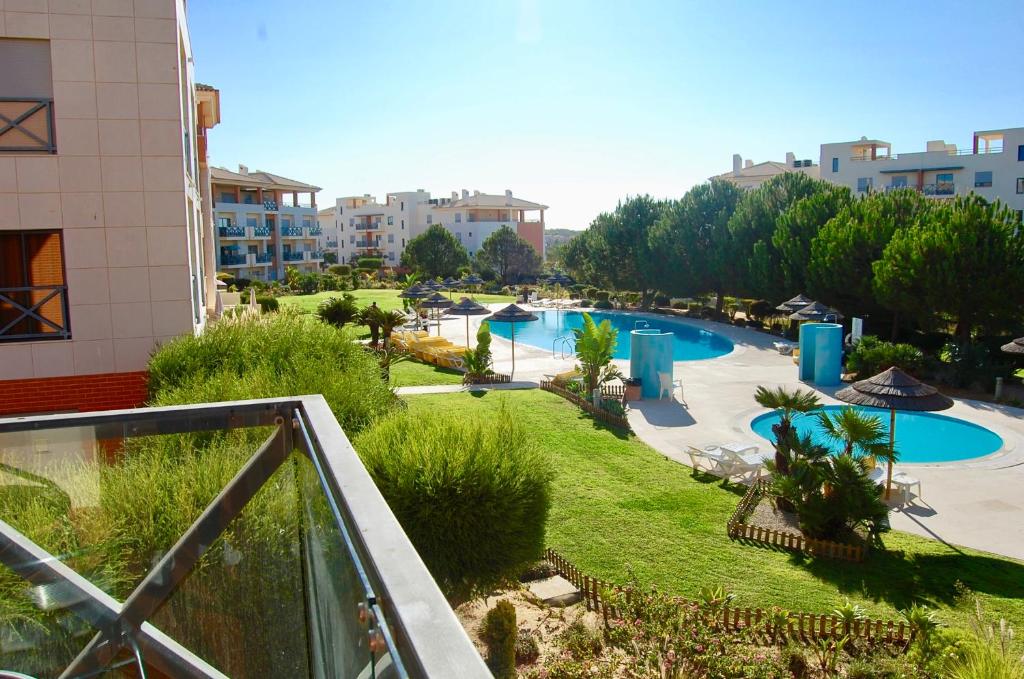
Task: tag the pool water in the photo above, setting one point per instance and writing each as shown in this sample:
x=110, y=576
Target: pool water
x=920, y=437
x=690, y=343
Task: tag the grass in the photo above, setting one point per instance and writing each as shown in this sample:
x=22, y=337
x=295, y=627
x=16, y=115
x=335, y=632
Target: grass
x=416, y=374
x=619, y=504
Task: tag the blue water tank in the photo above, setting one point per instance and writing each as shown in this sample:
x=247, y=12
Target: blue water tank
x=821, y=353
x=650, y=353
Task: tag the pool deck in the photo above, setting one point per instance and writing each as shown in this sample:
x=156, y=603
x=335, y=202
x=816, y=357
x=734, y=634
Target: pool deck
x=975, y=503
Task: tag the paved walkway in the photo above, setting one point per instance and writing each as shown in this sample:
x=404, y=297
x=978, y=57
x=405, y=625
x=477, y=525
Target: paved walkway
x=455, y=388
x=978, y=504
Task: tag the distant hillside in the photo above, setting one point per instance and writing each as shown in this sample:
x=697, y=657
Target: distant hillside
x=558, y=236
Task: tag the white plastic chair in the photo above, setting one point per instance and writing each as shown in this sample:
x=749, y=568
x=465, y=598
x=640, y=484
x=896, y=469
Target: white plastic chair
x=668, y=385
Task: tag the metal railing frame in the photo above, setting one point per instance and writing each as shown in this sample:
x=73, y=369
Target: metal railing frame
x=426, y=640
x=47, y=145
x=30, y=312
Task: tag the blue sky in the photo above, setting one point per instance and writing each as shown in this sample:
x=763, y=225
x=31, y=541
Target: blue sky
x=577, y=104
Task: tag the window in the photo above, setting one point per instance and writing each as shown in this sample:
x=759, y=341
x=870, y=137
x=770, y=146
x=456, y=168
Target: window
x=402, y=206
x=430, y=219
x=1020, y=216
x=26, y=88
x=1020, y=152
x=944, y=184
x=982, y=179
x=458, y=234
x=391, y=256
x=403, y=242
x=250, y=221
x=227, y=197
x=351, y=221
x=33, y=292
x=286, y=223
x=899, y=181
x=1020, y=184
x=225, y=222
x=864, y=184
x=835, y=165
x=403, y=225
x=352, y=240
x=306, y=223
x=391, y=220
x=470, y=234
x=458, y=217
x=391, y=238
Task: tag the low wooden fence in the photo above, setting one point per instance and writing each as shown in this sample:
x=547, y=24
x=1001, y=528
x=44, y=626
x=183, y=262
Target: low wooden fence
x=616, y=392
x=738, y=529
x=491, y=378
x=803, y=627
x=599, y=413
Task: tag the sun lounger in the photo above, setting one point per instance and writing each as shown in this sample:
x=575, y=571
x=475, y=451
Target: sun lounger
x=712, y=456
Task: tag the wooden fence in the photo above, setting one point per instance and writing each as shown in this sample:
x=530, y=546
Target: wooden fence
x=738, y=529
x=491, y=378
x=803, y=627
x=599, y=413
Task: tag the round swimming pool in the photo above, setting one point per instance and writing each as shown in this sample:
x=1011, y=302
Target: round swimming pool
x=690, y=344
x=920, y=437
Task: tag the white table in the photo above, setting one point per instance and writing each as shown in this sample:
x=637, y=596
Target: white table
x=905, y=482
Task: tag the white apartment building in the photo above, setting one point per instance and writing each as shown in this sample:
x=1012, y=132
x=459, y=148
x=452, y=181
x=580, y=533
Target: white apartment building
x=103, y=249
x=747, y=174
x=263, y=225
x=327, y=241
x=367, y=227
x=992, y=167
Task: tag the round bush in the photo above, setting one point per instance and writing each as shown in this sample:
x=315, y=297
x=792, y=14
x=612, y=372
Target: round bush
x=662, y=300
x=602, y=295
x=267, y=303
x=472, y=494
x=602, y=304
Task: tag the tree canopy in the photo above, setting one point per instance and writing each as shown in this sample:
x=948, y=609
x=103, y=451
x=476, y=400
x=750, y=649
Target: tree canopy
x=435, y=253
x=510, y=257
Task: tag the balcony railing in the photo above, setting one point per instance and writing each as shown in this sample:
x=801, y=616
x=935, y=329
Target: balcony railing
x=34, y=312
x=332, y=243
x=232, y=231
x=914, y=154
x=939, y=189
x=264, y=258
x=26, y=125
x=315, y=230
x=261, y=231
x=373, y=226
x=316, y=254
x=233, y=260
x=291, y=231
x=296, y=567
x=294, y=256
x=270, y=205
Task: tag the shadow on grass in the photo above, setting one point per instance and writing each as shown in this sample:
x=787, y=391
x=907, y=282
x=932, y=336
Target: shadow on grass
x=601, y=425
x=901, y=579
x=707, y=478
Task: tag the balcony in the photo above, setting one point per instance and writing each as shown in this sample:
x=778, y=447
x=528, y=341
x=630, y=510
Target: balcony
x=291, y=231
x=270, y=205
x=262, y=231
x=231, y=231
x=233, y=260
x=316, y=230
x=294, y=256
x=264, y=257
x=940, y=189
x=316, y=255
x=331, y=243
x=34, y=312
x=26, y=125
x=374, y=226
x=296, y=567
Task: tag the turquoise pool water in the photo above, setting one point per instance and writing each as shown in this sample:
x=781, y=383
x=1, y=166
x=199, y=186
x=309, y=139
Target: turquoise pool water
x=920, y=437
x=690, y=344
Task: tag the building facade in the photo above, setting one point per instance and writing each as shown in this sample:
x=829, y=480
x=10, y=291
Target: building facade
x=103, y=249
x=992, y=167
x=327, y=241
x=747, y=174
x=262, y=226
x=369, y=228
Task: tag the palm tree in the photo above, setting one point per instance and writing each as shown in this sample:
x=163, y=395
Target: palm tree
x=858, y=431
x=338, y=311
x=389, y=320
x=370, y=317
x=595, y=347
x=789, y=403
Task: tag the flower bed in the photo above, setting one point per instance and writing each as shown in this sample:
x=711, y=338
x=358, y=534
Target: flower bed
x=586, y=405
x=739, y=529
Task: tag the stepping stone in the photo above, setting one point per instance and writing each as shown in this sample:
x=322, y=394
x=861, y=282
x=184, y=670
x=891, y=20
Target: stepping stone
x=555, y=591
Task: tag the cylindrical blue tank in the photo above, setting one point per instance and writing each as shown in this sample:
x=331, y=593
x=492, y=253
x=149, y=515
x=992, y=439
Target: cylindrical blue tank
x=650, y=353
x=821, y=353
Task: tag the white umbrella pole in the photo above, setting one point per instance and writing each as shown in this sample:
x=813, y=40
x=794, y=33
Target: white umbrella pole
x=513, y=351
x=892, y=448
x=467, y=331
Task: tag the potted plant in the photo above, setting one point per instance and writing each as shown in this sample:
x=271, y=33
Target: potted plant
x=632, y=390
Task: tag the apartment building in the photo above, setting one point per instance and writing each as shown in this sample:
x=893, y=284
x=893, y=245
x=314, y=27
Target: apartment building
x=103, y=250
x=992, y=167
x=367, y=227
x=747, y=174
x=264, y=224
x=327, y=241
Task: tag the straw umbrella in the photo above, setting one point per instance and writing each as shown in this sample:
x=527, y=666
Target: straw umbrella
x=1014, y=347
x=415, y=292
x=795, y=304
x=437, y=301
x=467, y=307
x=472, y=280
x=815, y=311
x=513, y=314
x=895, y=390
x=450, y=284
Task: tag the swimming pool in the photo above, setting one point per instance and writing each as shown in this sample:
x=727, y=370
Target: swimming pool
x=690, y=344
x=920, y=437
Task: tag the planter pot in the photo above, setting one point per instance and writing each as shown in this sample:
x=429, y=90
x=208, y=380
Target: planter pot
x=632, y=392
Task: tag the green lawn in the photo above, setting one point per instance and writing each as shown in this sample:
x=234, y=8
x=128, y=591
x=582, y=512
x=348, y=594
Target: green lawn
x=416, y=374
x=386, y=299
x=619, y=503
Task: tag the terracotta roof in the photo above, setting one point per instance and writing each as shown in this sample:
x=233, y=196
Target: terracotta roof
x=283, y=182
x=260, y=179
x=491, y=200
x=206, y=88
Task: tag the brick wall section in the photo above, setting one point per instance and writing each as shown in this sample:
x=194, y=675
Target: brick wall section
x=109, y=391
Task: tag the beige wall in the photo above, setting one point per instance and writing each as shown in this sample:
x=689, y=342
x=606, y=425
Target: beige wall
x=117, y=186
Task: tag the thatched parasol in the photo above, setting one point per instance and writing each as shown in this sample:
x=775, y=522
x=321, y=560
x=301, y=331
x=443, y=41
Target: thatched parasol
x=1014, y=347
x=895, y=390
x=513, y=314
x=436, y=301
x=815, y=311
x=467, y=307
x=795, y=304
x=450, y=284
x=415, y=291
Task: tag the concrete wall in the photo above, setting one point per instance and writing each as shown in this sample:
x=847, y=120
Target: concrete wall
x=121, y=186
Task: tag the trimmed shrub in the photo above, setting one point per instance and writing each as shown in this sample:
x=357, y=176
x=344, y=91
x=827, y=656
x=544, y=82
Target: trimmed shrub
x=757, y=325
x=602, y=295
x=602, y=304
x=527, y=648
x=499, y=632
x=590, y=291
x=679, y=304
x=871, y=356
x=586, y=302
x=267, y=303
x=370, y=263
x=760, y=309
x=662, y=299
x=343, y=270
x=472, y=495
